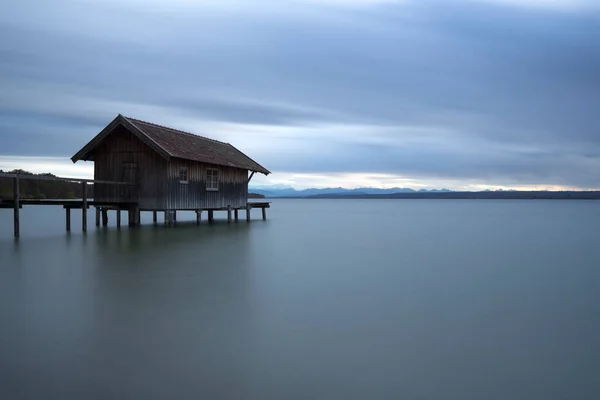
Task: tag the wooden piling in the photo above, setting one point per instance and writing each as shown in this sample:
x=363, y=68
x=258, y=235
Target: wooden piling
x=248, y=212
x=210, y=216
x=68, y=218
x=97, y=216
x=264, y=213
x=174, y=216
x=169, y=218
x=229, y=214
x=118, y=217
x=17, y=226
x=235, y=214
x=84, y=207
x=104, y=217
x=154, y=216
x=198, y=216
x=134, y=216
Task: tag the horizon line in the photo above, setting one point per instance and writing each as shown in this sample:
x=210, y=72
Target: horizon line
x=300, y=181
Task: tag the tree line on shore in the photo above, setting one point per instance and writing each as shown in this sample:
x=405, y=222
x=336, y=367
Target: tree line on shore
x=41, y=189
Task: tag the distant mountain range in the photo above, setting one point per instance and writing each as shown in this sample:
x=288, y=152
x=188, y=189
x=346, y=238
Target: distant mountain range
x=282, y=191
x=407, y=193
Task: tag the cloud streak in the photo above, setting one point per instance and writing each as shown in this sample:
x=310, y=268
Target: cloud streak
x=556, y=5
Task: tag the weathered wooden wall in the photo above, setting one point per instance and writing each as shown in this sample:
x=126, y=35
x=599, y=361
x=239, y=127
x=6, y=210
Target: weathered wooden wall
x=123, y=157
x=233, y=187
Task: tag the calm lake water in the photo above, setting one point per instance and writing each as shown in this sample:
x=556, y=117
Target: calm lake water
x=327, y=299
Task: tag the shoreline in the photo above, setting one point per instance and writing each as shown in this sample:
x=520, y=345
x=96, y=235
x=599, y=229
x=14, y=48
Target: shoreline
x=508, y=195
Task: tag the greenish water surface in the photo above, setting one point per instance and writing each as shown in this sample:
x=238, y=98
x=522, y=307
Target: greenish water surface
x=327, y=299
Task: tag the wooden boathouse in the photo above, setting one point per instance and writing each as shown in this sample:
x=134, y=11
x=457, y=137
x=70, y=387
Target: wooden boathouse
x=140, y=166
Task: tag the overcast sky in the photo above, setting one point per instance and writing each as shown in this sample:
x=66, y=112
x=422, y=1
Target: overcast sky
x=421, y=93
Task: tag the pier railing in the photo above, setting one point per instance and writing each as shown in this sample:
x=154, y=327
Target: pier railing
x=17, y=202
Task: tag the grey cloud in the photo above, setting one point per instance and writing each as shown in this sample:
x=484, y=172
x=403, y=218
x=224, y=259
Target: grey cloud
x=24, y=133
x=251, y=112
x=429, y=163
x=501, y=79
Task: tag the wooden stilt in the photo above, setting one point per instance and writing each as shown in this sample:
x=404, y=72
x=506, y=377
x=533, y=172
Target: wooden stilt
x=228, y=214
x=104, y=217
x=248, y=212
x=17, y=223
x=154, y=216
x=118, y=217
x=68, y=218
x=134, y=216
x=84, y=207
x=97, y=216
x=210, y=216
x=174, y=216
x=166, y=216
x=235, y=214
x=198, y=216
x=264, y=213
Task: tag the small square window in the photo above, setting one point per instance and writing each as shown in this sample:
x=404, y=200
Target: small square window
x=212, y=179
x=129, y=172
x=183, y=175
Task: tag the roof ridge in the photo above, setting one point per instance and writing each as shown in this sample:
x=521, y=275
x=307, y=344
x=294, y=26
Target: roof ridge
x=176, y=130
x=189, y=146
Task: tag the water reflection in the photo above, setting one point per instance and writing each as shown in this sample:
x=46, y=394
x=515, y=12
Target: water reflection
x=117, y=307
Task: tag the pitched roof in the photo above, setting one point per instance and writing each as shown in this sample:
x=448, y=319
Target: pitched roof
x=173, y=143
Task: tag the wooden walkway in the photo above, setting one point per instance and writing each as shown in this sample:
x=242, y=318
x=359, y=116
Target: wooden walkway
x=102, y=208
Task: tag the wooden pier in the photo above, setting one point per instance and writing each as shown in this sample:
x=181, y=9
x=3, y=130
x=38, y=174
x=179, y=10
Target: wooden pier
x=103, y=207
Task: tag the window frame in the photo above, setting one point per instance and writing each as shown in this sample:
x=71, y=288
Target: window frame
x=184, y=169
x=209, y=183
x=129, y=171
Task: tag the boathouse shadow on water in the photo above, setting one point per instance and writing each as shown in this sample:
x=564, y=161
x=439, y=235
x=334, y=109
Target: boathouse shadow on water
x=196, y=279
x=156, y=239
x=111, y=289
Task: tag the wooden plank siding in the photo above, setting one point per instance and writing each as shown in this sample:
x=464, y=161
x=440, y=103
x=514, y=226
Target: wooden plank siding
x=233, y=187
x=123, y=157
